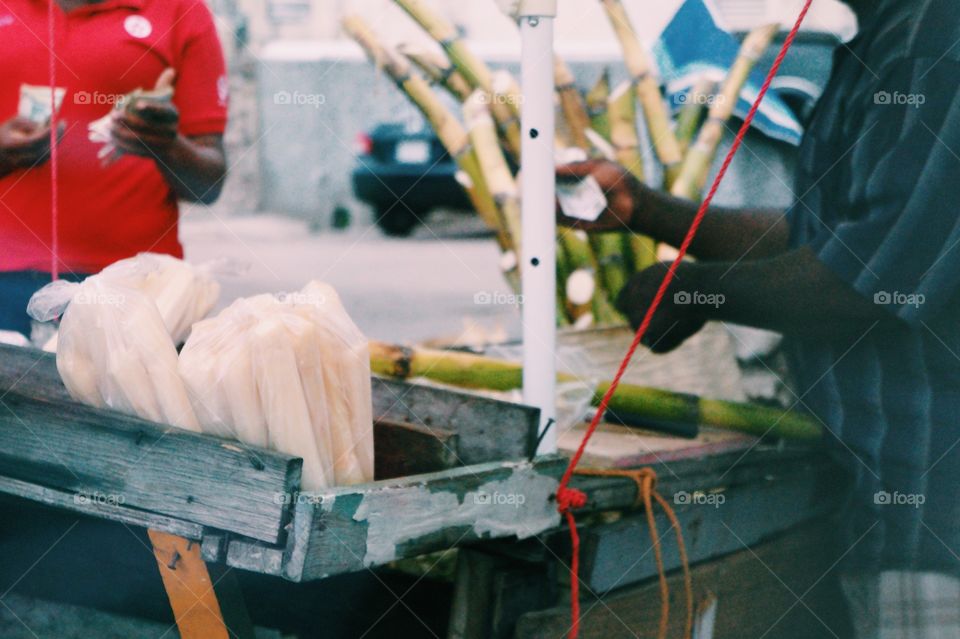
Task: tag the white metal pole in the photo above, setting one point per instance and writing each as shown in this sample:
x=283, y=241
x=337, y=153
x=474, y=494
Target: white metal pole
x=538, y=182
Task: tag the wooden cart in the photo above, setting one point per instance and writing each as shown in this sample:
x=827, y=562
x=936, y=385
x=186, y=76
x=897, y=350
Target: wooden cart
x=453, y=471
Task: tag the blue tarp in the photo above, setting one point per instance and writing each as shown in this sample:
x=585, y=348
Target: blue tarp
x=693, y=45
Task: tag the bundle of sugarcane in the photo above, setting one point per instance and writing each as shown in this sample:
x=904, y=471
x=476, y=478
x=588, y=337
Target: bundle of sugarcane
x=590, y=272
x=639, y=66
x=440, y=71
x=476, y=72
x=591, y=303
x=477, y=372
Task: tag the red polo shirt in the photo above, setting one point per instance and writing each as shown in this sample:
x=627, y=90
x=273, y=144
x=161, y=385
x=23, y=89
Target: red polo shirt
x=103, y=50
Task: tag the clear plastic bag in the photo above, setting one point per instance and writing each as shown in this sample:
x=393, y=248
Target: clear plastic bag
x=184, y=293
x=291, y=373
x=114, y=350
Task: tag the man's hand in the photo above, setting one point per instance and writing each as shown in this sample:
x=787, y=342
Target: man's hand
x=677, y=318
x=625, y=195
x=23, y=144
x=149, y=129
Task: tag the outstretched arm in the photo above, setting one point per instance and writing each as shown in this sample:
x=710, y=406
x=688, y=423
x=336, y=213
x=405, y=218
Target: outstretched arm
x=793, y=293
x=725, y=234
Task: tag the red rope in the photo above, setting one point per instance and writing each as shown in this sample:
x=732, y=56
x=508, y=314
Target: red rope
x=54, y=152
x=570, y=498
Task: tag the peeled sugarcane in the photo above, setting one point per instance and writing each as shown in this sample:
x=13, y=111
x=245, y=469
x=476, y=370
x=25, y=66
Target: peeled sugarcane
x=655, y=109
x=115, y=350
x=696, y=166
x=300, y=369
x=474, y=371
x=440, y=71
x=688, y=121
x=571, y=104
x=449, y=130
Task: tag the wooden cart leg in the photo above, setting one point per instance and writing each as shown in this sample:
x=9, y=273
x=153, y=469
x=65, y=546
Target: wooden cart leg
x=189, y=588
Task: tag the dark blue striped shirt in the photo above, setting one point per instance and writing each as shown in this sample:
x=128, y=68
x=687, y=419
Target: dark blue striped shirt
x=878, y=200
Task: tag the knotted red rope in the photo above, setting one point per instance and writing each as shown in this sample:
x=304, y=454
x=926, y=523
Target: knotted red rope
x=54, y=152
x=571, y=498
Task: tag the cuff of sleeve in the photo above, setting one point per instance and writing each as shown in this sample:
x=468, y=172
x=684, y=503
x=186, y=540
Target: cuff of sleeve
x=204, y=126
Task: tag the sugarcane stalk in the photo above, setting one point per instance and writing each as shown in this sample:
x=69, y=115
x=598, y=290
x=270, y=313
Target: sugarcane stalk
x=696, y=166
x=572, y=104
x=504, y=100
x=604, y=313
x=596, y=101
x=447, y=127
x=473, y=69
x=640, y=250
x=639, y=66
x=622, y=118
x=612, y=259
x=467, y=370
x=503, y=186
x=691, y=113
x=493, y=165
x=440, y=71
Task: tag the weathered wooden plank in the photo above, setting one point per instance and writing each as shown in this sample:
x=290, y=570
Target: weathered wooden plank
x=487, y=429
x=702, y=471
x=354, y=527
x=756, y=590
x=714, y=524
x=101, y=506
x=401, y=449
x=160, y=469
x=30, y=372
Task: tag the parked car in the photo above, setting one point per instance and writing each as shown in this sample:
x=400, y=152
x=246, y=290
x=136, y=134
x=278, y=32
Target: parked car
x=404, y=175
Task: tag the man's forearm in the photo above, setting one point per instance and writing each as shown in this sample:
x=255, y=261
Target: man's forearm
x=194, y=168
x=725, y=234
x=793, y=293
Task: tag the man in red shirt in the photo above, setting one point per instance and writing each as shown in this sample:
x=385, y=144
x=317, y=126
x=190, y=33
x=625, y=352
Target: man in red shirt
x=104, y=50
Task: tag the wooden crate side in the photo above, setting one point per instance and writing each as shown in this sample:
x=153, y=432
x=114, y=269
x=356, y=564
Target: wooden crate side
x=350, y=528
x=488, y=430
x=105, y=455
x=714, y=524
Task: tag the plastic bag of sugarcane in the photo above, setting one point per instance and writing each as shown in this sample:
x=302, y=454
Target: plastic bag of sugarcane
x=290, y=373
x=184, y=293
x=114, y=350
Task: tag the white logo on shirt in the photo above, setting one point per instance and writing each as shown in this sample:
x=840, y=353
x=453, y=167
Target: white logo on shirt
x=6, y=21
x=138, y=26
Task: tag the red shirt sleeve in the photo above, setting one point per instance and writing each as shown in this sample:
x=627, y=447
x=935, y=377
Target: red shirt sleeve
x=202, y=88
